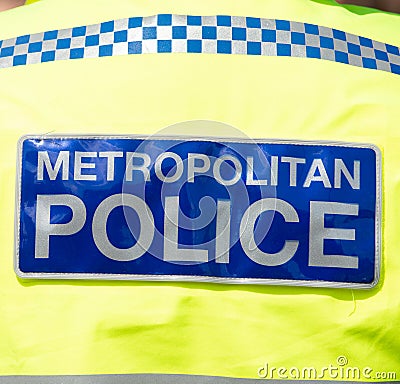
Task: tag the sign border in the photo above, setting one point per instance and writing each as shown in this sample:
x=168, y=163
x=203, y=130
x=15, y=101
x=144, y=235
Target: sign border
x=201, y=279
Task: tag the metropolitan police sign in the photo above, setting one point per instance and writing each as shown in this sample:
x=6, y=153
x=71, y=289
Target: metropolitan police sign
x=219, y=210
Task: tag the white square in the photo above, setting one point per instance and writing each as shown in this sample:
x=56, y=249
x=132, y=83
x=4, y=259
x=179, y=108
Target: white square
x=179, y=20
x=150, y=21
x=269, y=49
x=394, y=59
x=78, y=42
x=367, y=52
x=62, y=54
x=6, y=62
x=312, y=40
x=34, y=58
x=383, y=66
x=193, y=32
x=121, y=25
x=164, y=32
x=355, y=60
x=179, y=46
x=21, y=49
x=135, y=34
x=238, y=21
x=120, y=49
x=299, y=51
x=149, y=46
x=324, y=31
x=340, y=45
x=239, y=47
x=8, y=43
x=254, y=34
x=209, y=46
x=64, y=33
x=91, y=52
x=353, y=39
x=283, y=37
x=209, y=20
x=93, y=29
x=268, y=23
x=37, y=37
x=297, y=27
x=106, y=38
x=327, y=54
x=379, y=45
x=224, y=33
x=49, y=45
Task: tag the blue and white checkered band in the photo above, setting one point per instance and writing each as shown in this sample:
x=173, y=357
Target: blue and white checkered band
x=200, y=34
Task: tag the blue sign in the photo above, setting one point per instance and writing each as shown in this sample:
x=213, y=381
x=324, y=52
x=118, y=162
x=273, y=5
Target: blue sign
x=217, y=210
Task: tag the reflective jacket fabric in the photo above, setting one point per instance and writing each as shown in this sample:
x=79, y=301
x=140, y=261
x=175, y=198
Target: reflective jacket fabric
x=314, y=84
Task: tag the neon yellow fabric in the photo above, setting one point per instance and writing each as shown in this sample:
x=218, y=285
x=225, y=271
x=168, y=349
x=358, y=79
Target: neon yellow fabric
x=81, y=327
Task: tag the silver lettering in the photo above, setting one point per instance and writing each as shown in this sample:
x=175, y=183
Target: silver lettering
x=318, y=233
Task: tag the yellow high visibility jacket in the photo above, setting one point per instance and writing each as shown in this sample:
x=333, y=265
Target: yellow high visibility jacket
x=326, y=72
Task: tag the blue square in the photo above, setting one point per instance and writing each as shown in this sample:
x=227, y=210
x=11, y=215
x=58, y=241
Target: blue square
x=108, y=26
x=340, y=35
x=194, y=20
x=120, y=36
x=164, y=46
x=365, y=42
x=369, y=63
x=7, y=51
x=224, y=46
x=179, y=32
x=341, y=57
x=91, y=40
x=76, y=53
x=268, y=35
x=354, y=49
x=19, y=60
x=311, y=29
x=50, y=35
x=313, y=52
x=284, y=50
x=283, y=25
x=326, y=42
x=253, y=48
x=381, y=55
x=194, y=46
x=239, y=34
x=134, y=47
x=35, y=47
x=395, y=69
x=253, y=22
x=1, y=43
x=48, y=56
x=22, y=39
x=135, y=22
x=224, y=21
x=149, y=33
x=209, y=33
x=298, y=38
x=105, y=50
x=164, y=20
x=392, y=49
x=63, y=43
x=78, y=31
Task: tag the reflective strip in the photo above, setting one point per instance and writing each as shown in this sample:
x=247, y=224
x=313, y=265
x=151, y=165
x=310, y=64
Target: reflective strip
x=156, y=379
x=200, y=34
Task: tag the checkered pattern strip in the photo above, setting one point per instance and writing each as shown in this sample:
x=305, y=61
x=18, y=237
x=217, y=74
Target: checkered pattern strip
x=200, y=34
